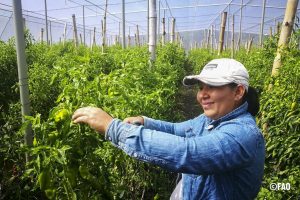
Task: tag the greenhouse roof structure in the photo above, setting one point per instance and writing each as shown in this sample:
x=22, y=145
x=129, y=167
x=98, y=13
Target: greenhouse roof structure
x=193, y=17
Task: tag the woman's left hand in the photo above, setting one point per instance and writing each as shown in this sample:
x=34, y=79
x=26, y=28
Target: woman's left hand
x=96, y=118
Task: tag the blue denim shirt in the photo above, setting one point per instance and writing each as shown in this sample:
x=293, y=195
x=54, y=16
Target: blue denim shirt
x=219, y=159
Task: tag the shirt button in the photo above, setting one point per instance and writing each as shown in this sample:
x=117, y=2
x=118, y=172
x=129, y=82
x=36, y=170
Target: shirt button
x=135, y=155
x=109, y=138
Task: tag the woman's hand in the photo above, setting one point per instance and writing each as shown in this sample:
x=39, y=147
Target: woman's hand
x=96, y=118
x=134, y=120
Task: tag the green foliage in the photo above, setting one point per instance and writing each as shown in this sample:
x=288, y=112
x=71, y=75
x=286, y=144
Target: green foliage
x=71, y=161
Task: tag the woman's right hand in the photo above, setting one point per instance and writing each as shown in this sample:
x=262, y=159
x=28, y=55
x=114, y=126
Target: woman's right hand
x=134, y=120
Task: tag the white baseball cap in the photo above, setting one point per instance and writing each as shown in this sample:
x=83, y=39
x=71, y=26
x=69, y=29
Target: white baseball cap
x=220, y=72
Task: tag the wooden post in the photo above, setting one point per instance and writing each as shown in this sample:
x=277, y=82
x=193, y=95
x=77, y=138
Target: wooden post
x=80, y=36
x=177, y=37
x=249, y=45
x=208, y=38
x=271, y=31
x=123, y=25
x=240, y=33
x=94, y=37
x=232, y=38
x=42, y=35
x=286, y=30
x=137, y=35
x=50, y=32
x=24, y=23
x=46, y=19
x=163, y=39
x=65, y=33
x=83, y=22
x=278, y=28
x=212, y=38
x=104, y=27
x=129, y=41
x=221, y=37
x=173, y=31
x=75, y=30
x=262, y=24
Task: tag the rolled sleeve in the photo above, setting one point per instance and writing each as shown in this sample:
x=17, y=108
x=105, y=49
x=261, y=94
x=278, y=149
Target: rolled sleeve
x=216, y=152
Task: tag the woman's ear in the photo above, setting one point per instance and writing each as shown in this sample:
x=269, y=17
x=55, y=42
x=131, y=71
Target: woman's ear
x=239, y=92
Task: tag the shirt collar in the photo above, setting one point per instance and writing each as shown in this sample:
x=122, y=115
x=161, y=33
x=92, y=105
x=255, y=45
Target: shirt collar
x=210, y=123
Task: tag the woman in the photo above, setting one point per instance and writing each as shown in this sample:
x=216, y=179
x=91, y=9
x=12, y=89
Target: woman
x=220, y=153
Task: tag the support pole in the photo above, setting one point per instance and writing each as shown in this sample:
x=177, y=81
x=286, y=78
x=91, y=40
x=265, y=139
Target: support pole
x=152, y=31
x=228, y=19
x=83, y=22
x=286, y=30
x=208, y=38
x=65, y=33
x=262, y=24
x=94, y=37
x=158, y=22
x=163, y=39
x=50, y=32
x=148, y=19
x=42, y=35
x=212, y=38
x=75, y=30
x=137, y=35
x=104, y=27
x=221, y=36
x=232, y=38
x=46, y=18
x=173, y=31
x=123, y=25
x=22, y=70
x=240, y=32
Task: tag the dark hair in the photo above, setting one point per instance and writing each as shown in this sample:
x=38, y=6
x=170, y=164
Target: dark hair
x=251, y=96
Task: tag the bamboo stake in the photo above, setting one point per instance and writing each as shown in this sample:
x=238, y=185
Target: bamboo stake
x=129, y=40
x=42, y=35
x=163, y=39
x=83, y=22
x=104, y=27
x=221, y=37
x=46, y=20
x=262, y=24
x=211, y=41
x=232, y=38
x=75, y=30
x=94, y=37
x=278, y=28
x=137, y=35
x=50, y=32
x=65, y=33
x=123, y=25
x=240, y=33
x=286, y=30
x=249, y=45
x=173, y=31
x=80, y=36
x=208, y=38
x=24, y=23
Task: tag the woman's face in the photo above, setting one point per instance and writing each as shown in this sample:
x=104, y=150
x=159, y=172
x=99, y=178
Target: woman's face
x=218, y=101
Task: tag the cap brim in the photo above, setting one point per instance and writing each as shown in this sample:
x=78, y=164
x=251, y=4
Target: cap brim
x=190, y=80
x=195, y=79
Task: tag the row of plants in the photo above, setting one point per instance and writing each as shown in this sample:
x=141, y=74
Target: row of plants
x=72, y=161
x=279, y=116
